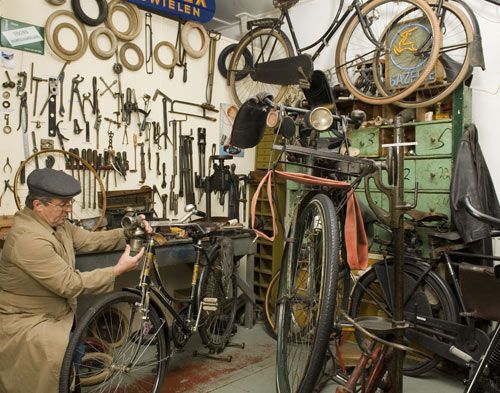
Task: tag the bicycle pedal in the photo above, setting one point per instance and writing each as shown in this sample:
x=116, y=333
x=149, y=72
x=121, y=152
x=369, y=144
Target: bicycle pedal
x=209, y=304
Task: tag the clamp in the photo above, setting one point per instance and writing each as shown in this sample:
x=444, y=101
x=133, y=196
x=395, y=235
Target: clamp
x=74, y=90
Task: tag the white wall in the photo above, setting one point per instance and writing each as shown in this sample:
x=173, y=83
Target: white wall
x=49, y=65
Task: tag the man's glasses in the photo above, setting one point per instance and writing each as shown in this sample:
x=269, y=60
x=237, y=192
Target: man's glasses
x=65, y=205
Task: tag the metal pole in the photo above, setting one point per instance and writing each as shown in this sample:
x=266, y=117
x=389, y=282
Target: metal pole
x=399, y=254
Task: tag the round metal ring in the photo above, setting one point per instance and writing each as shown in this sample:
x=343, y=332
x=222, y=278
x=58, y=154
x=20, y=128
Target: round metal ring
x=7, y=129
x=175, y=56
x=50, y=41
x=56, y=2
x=6, y=104
x=6, y=95
x=57, y=43
x=186, y=29
x=123, y=57
x=94, y=46
x=134, y=18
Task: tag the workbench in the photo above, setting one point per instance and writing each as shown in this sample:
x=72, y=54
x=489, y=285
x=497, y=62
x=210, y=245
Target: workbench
x=179, y=252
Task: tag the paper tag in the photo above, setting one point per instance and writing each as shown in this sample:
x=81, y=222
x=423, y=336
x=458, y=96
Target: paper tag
x=22, y=36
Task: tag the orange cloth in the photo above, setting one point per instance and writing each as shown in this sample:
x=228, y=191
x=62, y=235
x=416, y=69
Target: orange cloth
x=354, y=230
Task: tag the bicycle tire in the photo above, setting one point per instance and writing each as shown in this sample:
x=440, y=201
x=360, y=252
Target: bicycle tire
x=356, y=74
x=218, y=280
x=154, y=355
x=270, y=306
x=261, y=43
x=454, y=61
x=32, y=162
x=225, y=54
x=308, y=286
x=435, y=289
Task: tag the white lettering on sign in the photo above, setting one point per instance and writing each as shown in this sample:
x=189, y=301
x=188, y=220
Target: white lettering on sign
x=22, y=36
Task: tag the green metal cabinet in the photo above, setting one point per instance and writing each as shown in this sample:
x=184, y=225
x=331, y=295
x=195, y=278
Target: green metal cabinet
x=433, y=138
x=367, y=140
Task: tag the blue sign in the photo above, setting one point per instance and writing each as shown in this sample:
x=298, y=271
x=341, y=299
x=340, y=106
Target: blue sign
x=198, y=10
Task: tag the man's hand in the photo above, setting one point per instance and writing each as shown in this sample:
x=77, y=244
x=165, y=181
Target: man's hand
x=147, y=226
x=127, y=262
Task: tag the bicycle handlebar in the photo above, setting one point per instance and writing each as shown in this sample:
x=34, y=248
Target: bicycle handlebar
x=466, y=202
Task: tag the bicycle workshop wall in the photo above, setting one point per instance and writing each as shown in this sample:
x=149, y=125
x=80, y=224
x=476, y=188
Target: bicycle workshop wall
x=49, y=65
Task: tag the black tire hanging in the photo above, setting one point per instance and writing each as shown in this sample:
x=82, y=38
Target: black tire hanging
x=84, y=18
x=223, y=60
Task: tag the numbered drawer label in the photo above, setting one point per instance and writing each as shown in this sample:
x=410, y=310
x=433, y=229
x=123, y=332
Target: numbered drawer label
x=433, y=139
x=366, y=140
x=434, y=174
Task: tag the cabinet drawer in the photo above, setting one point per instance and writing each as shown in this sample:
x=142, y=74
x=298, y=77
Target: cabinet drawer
x=435, y=203
x=409, y=175
x=433, y=138
x=434, y=174
x=366, y=140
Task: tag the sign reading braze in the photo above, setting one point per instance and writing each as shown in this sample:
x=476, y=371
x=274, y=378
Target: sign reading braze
x=197, y=10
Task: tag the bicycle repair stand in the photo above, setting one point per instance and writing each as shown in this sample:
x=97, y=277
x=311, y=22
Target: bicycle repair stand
x=394, y=218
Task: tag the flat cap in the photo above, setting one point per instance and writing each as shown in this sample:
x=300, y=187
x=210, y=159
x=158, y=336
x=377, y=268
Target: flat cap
x=48, y=182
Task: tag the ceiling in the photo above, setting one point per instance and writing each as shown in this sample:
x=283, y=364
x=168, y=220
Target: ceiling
x=226, y=11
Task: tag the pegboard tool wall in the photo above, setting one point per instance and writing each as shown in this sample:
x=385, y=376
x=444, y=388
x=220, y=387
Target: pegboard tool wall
x=49, y=65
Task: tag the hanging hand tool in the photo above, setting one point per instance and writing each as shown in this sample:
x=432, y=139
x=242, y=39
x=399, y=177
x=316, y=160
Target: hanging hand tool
x=86, y=98
x=106, y=168
x=23, y=112
x=243, y=196
x=143, y=164
x=148, y=46
x=108, y=87
x=164, y=172
x=181, y=55
x=214, y=37
x=35, y=149
x=6, y=187
x=60, y=80
x=90, y=158
x=164, y=198
x=97, y=126
x=95, y=160
x=35, y=100
x=84, y=158
x=199, y=179
x=158, y=172
x=7, y=166
x=95, y=96
x=75, y=91
x=21, y=82
x=134, y=139
x=118, y=69
x=125, y=136
x=10, y=84
x=60, y=136
x=203, y=115
x=76, y=127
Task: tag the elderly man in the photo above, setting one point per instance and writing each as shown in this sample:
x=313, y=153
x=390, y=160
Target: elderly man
x=39, y=284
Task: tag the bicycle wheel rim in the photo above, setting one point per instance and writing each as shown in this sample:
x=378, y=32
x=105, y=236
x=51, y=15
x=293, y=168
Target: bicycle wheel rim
x=262, y=45
x=435, y=289
x=416, y=38
x=308, y=294
x=219, y=282
x=270, y=305
x=453, y=65
x=130, y=355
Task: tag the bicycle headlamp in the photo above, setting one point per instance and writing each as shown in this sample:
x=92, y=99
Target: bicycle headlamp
x=319, y=118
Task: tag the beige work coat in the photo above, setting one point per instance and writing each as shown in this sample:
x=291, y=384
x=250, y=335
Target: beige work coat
x=38, y=290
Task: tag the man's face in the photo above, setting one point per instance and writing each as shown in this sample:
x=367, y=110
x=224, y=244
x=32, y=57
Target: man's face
x=54, y=212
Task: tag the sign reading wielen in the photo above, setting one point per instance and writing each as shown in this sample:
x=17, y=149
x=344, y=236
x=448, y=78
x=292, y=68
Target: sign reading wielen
x=197, y=10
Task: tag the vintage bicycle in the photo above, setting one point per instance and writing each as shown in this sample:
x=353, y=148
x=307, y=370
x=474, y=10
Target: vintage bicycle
x=122, y=343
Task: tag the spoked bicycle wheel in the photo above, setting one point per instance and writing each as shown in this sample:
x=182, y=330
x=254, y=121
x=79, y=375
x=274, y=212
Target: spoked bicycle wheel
x=264, y=45
x=270, y=305
x=218, y=281
x=307, y=295
x=433, y=297
x=453, y=65
x=116, y=348
x=400, y=56
x=89, y=209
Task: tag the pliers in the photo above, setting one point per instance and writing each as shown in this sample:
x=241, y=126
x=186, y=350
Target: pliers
x=6, y=187
x=7, y=165
x=23, y=108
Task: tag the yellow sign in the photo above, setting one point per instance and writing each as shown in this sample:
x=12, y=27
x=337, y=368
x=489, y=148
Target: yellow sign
x=405, y=44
